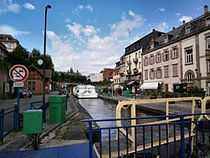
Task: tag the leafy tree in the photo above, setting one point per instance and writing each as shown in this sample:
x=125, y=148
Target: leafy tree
x=19, y=56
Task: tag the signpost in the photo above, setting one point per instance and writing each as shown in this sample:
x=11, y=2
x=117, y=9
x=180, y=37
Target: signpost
x=18, y=73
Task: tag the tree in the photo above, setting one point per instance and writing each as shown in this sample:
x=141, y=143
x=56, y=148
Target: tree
x=19, y=56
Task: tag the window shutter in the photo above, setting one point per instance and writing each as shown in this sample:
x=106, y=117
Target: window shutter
x=171, y=55
x=177, y=53
x=163, y=56
x=155, y=61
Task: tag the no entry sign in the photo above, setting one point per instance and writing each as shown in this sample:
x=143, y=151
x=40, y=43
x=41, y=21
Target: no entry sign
x=18, y=73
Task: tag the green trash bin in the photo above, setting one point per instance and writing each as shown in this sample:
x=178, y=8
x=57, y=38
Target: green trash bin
x=108, y=93
x=127, y=93
x=32, y=121
x=57, y=107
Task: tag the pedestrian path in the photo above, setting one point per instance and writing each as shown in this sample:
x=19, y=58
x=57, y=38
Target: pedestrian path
x=70, y=151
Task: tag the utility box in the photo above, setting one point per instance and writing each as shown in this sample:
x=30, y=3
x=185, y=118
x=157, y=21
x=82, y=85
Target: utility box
x=57, y=107
x=32, y=121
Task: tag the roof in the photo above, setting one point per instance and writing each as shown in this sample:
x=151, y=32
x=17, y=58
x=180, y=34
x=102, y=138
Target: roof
x=48, y=72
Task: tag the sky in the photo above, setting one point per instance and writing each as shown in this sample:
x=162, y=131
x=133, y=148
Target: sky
x=89, y=35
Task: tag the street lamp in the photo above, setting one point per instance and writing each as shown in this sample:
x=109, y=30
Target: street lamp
x=44, y=65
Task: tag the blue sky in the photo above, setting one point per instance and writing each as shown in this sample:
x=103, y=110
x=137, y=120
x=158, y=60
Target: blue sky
x=90, y=35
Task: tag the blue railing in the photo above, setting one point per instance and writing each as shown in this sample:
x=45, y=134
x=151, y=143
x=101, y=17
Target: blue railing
x=184, y=137
x=39, y=105
x=8, y=122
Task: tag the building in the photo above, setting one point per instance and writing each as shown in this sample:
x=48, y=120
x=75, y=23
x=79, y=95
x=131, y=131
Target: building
x=34, y=82
x=9, y=42
x=116, y=75
x=95, y=77
x=180, y=56
x=195, y=46
x=107, y=73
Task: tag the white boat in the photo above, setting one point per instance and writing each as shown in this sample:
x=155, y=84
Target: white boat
x=85, y=91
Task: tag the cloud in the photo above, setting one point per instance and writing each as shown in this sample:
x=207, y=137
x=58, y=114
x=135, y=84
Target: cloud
x=162, y=9
x=162, y=27
x=178, y=14
x=186, y=18
x=67, y=20
x=9, y=6
x=82, y=7
x=94, y=52
x=29, y=6
x=6, y=29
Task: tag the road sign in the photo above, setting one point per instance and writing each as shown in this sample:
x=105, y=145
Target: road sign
x=18, y=84
x=18, y=73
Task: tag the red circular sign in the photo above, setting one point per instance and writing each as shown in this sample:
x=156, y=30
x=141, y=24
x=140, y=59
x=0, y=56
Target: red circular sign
x=18, y=73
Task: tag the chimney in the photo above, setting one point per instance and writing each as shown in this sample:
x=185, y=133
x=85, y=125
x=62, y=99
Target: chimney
x=153, y=30
x=205, y=9
x=183, y=21
x=174, y=28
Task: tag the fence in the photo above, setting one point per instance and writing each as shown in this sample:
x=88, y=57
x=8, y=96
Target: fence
x=9, y=120
x=181, y=138
x=39, y=105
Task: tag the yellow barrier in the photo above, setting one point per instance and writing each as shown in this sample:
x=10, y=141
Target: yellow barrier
x=132, y=105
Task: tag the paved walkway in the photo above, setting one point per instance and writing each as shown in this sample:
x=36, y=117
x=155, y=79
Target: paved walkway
x=70, y=151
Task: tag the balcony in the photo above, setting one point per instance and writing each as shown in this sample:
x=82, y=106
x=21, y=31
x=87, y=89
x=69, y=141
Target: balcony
x=135, y=60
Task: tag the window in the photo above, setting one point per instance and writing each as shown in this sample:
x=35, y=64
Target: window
x=146, y=74
x=12, y=45
x=6, y=45
x=174, y=53
x=145, y=61
x=188, y=56
x=175, y=70
x=32, y=85
x=208, y=42
x=208, y=65
x=208, y=22
x=158, y=58
x=166, y=75
x=139, y=65
x=166, y=56
x=151, y=59
x=190, y=77
x=159, y=73
x=152, y=74
x=139, y=54
x=188, y=30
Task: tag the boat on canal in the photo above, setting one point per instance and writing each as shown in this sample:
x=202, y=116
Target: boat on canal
x=85, y=92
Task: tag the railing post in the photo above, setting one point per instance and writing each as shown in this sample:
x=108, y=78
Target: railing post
x=16, y=117
x=1, y=125
x=90, y=140
x=44, y=111
x=182, y=137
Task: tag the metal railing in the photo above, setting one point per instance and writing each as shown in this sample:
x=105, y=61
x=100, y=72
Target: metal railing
x=9, y=120
x=182, y=137
x=39, y=105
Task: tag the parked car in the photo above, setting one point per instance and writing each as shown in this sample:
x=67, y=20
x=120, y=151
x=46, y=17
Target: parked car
x=25, y=93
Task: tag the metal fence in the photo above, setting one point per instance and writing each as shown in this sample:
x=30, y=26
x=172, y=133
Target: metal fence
x=9, y=120
x=180, y=138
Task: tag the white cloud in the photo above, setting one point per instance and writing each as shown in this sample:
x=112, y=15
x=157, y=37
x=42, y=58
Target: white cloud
x=162, y=9
x=89, y=30
x=89, y=7
x=186, y=18
x=178, y=14
x=29, y=6
x=67, y=20
x=162, y=27
x=94, y=52
x=121, y=28
x=6, y=29
x=9, y=6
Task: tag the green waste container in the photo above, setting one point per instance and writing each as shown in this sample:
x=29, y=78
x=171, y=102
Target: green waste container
x=127, y=93
x=32, y=121
x=57, y=107
x=108, y=93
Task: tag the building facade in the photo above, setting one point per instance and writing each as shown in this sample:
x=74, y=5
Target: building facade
x=10, y=42
x=107, y=73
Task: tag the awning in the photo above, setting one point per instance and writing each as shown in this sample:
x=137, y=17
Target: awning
x=150, y=85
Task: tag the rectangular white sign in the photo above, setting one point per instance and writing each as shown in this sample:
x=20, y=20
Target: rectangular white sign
x=18, y=84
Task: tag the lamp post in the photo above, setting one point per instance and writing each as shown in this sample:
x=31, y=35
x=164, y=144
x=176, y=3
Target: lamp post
x=44, y=63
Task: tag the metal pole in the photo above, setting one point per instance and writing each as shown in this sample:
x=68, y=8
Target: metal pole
x=44, y=64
